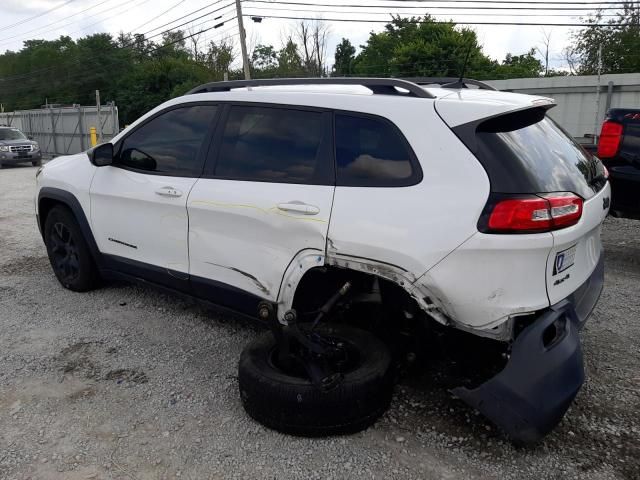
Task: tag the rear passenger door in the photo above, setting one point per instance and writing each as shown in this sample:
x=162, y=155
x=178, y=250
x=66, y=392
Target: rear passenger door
x=378, y=204
x=266, y=195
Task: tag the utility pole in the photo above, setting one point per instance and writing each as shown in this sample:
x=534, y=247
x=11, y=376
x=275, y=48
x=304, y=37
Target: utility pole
x=597, y=118
x=99, y=122
x=243, y=42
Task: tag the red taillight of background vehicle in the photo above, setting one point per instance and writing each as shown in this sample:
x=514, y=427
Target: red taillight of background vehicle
x=535, y=213
x=610, y=138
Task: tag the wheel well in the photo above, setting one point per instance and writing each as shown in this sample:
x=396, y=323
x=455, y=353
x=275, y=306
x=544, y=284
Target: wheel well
x=320, y=283
x=45, y=205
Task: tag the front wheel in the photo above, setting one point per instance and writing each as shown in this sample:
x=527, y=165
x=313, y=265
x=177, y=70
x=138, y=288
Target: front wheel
x=68, y=251
x=285, y=399
x=36, y=163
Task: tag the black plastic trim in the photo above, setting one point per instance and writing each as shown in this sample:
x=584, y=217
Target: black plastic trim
x=70, y=201
x=529, y=397
x=384, y=86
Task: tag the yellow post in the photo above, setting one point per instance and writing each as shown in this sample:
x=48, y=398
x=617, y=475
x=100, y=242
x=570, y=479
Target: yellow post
x=94, y=136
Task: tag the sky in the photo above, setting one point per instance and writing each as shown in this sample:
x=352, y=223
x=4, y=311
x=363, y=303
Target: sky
x=48, y=19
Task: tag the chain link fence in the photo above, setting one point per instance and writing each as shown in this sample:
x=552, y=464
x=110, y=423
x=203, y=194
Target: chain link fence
x=65, y=130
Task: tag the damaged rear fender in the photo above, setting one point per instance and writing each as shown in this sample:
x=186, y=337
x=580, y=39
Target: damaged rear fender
x=308, y=259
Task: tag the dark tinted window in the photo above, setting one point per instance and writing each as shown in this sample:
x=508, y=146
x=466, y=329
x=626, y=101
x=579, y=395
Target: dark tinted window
x=536, y=157
x=169, y=144
x=371, y=152
x=274, y=145
x=11, y=134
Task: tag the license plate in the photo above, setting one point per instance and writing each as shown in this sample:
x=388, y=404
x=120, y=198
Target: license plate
x=564, y=260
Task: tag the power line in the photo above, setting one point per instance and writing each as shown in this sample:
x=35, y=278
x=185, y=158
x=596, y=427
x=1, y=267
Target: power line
x=160, y=14
x=543, y=2
x=23, y=21
x=78, y=60
x=422, y=7
x=363, y=20
x=475, y=14
x=120, y=13
x=22, y=34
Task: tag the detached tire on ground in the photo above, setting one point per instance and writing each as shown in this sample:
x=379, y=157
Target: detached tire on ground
x=290, y=403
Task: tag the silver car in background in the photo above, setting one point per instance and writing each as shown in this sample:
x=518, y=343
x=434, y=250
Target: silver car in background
x=16, y=147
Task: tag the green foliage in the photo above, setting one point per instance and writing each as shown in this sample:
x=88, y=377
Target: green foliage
x=133, y=72
x=138, y=74
x=344, y=58
x=290, y=61
x=519, y=66
x=620, y=45
x=422, y=47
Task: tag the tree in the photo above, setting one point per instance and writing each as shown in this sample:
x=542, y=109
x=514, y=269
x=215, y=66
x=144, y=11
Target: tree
x=544, y=50
x=620, y=44
x=264, y=61
x=420, y=46
x=344, y=57
x=312, y=37
x=220, y=56
x=519, y=66
x=289, y=60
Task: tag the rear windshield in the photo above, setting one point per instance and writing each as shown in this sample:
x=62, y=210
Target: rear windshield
x=527, y=152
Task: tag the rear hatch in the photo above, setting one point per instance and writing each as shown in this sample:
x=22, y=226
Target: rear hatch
x=541, y=181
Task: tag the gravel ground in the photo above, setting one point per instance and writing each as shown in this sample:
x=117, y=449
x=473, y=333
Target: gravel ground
x=128, y=383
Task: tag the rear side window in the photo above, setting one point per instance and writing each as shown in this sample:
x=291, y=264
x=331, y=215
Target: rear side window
x=527, y=152
x=274, y=145
x=371, y=152
x=170, y=143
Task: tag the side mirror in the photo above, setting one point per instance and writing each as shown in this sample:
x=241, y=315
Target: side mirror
x=101, y=155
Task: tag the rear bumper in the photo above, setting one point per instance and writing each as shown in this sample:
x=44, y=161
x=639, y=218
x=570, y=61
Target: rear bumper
x=529, y=397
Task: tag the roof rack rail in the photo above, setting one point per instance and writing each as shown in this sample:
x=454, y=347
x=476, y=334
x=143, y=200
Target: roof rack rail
x=450, y=82
x=383, y=86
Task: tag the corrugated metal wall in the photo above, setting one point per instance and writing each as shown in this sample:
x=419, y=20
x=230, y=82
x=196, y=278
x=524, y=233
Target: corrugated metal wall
x=64, y=130
x=577, y=97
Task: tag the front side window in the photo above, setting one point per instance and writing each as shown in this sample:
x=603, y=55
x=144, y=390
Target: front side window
x=170, y=143
x=274, y=145
x=371, y=152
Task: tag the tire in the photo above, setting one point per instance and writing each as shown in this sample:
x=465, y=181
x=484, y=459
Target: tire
x=68, y=251
x=291, y=404
x=36, y=163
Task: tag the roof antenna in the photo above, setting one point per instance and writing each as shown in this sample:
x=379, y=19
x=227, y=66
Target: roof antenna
x=460, y=83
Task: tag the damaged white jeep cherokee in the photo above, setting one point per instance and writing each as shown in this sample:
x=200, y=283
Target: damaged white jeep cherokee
x=327, y=206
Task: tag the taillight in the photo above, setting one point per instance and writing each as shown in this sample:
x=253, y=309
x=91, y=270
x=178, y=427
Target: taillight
x=610, y=138
x=532, y=213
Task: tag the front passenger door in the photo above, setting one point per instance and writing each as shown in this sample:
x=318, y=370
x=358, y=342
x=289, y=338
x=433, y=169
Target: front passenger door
x=139, y=204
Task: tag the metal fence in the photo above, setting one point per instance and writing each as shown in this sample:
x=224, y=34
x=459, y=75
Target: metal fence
x=64, y=130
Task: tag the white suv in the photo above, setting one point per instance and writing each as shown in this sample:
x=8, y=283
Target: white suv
x=294, y=200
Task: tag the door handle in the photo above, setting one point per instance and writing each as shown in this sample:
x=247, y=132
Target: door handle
x=168, y=192
x=299, y=207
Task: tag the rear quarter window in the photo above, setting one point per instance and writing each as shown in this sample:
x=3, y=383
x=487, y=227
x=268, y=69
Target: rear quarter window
x=371, y=152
